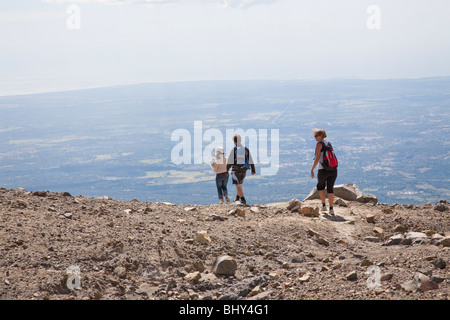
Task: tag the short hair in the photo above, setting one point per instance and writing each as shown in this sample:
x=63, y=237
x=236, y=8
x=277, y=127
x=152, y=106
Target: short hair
x=319, y=132
x=237, y=138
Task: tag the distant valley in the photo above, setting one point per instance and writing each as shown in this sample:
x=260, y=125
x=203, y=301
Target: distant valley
x=391, y=138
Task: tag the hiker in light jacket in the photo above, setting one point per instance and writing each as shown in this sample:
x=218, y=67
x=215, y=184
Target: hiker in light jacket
x=219, y=165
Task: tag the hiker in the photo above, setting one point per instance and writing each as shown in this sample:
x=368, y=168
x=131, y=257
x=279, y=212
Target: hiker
x=326, y=174
x=240, y=160
x=219, y=165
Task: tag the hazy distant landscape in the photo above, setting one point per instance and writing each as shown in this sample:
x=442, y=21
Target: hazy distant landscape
x=391, y=138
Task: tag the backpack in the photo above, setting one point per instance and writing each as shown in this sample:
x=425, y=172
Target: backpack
x=330, y=162
x=241, y=158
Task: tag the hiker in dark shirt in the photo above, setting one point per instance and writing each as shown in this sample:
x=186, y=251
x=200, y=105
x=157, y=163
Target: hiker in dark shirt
x=240, y=160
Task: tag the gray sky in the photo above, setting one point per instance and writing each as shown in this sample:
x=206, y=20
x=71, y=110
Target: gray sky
x=56, y=44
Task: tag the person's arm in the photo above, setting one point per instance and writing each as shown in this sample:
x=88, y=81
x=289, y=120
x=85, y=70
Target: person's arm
x=213, y=163
x=317, y=158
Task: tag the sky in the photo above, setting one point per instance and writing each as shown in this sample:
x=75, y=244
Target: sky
x=51, y=45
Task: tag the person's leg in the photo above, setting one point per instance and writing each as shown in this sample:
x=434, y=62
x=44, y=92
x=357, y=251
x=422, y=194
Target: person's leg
x=224, y=185
x=239, y=190
x=219, y=187
x=331, y=179
x=235, y=180
x=321, y=176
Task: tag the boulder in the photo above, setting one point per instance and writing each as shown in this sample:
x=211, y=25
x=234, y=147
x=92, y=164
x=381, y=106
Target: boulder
x=395, y=239
x=349, y=192
x=421, y=283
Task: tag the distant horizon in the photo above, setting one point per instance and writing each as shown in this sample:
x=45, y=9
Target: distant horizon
x=100, y=86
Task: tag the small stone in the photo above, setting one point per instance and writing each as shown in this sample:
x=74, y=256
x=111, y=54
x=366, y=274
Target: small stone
x=293, y=204
x=216, y=217
x=340, y=202
x=445, y=241
x=351, y=276
x=305, y=278
x=378, y=231
x=22, y=203
x=370, y=218
x=323, y=241
x=190, y=209
x=147, y=210
x=373, y=239
x=120, y=272
x=256, y=290
x=312, y=233
x=193, y=276
x=437, y=278
x=254, y=209
x=310, y=211
x=237, y=212
x=203, y=237
x=387, y=210
x=386, y=276
x=225, y=265
x=366, y=263
x=399, y=228
x=441, y=207
x=439, y=263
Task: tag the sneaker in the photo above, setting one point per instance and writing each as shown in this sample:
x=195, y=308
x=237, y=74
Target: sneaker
x=323, y=209
x=243, y=201
x=331, y=212
x=228, y=199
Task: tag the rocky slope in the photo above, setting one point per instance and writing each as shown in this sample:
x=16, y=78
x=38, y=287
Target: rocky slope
x=59, y=246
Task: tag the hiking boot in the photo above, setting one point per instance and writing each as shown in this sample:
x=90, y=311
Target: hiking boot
x=243, y=201
x=228, y=199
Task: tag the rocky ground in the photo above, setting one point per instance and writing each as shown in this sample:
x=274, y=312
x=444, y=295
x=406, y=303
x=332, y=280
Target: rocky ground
x=59, y=246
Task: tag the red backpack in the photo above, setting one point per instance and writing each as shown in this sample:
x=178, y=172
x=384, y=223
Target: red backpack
x=330, y=162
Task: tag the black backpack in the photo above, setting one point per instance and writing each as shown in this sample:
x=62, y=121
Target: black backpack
x=241, y=158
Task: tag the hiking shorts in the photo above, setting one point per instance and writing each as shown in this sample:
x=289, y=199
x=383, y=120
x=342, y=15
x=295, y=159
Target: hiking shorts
x=238, y=176
x=328, y=178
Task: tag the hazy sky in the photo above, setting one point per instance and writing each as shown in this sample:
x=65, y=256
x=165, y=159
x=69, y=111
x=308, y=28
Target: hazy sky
x=57, y=44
